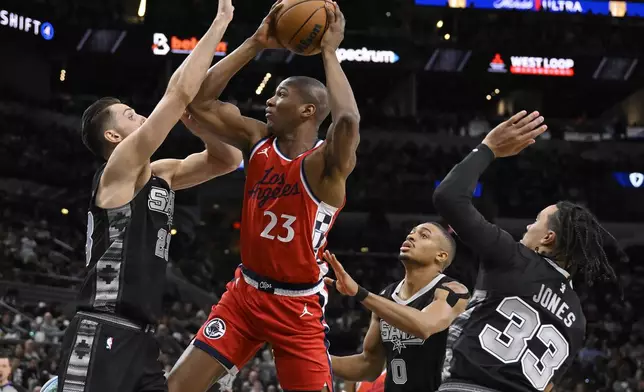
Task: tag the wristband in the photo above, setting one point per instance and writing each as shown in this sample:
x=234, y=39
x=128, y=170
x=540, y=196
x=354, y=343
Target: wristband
x=362, y=294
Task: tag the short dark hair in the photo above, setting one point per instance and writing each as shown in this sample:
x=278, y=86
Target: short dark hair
x=451, y=243
x=312, y=91
x=579, y=243
x=94, y=122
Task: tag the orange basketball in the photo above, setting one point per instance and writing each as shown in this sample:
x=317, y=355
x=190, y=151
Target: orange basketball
x=300, y=25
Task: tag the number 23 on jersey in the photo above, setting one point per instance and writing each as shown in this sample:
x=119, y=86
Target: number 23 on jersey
x=284, y=231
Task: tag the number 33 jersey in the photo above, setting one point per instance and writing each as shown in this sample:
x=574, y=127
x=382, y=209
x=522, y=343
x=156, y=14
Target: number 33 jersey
x=284, y=225
x=523, y=327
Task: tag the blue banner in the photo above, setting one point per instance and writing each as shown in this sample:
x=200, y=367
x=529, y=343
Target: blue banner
x=614, y=8
x=629, y=180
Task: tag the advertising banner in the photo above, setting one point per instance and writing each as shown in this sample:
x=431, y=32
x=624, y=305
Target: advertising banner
x=614, y=8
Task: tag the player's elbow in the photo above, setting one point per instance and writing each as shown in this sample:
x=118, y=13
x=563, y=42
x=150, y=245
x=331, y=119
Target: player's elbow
x=433, y=326
x=443, y=199
x=348, y=120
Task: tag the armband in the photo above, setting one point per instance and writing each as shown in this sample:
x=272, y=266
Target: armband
x=452, y=297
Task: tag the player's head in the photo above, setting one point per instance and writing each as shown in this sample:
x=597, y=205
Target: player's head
x=428, y=244
x=571, y=235
x=5, y=369
x=297, y=100
x=106, y=123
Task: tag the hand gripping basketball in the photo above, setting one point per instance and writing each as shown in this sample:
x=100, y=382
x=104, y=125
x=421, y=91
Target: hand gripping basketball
x=265, y=35
x=335, y=32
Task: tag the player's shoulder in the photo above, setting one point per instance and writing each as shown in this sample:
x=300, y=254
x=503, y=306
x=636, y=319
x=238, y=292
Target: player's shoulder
x=451, y=284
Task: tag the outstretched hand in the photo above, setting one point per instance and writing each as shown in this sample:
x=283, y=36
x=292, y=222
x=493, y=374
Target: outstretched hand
x=344, y=283
x=515, y=134
x=265, y=36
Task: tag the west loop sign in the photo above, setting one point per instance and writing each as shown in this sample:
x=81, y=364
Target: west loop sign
x=526, y=65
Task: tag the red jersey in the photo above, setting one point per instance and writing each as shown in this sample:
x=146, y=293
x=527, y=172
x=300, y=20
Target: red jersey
x=284, y=225
x=377, y=386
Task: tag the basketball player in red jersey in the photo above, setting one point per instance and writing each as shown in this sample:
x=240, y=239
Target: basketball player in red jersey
x=295, y=187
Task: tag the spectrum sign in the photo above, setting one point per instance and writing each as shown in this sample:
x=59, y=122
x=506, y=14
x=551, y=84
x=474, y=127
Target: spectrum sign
x=162, y=46
x=26, y=24
x=365, y=55
x=613, y=8
x=526, y=65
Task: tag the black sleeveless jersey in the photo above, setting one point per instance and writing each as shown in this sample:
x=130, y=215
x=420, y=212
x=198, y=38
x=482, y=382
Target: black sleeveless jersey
x=127, y=252
x=522, y=328
x=413, y=364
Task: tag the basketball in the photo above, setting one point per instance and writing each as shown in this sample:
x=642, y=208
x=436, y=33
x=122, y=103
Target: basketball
x=300, y=25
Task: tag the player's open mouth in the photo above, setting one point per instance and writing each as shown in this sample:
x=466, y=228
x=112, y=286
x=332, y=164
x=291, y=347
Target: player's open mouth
x=406, y=246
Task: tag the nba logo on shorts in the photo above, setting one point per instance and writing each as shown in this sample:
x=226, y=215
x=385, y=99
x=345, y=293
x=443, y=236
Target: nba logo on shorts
x=215, y=329
x=108, y=343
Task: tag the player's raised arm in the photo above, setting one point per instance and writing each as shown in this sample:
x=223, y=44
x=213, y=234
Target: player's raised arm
x=367, y=365
x=133, y=153
x=343, y=136
x=453, y=197
x=450, y=300
x=216, y=160
x=224, y=118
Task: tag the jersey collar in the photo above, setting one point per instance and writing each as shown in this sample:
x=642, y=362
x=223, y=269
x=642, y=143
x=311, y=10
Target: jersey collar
x=420, y=292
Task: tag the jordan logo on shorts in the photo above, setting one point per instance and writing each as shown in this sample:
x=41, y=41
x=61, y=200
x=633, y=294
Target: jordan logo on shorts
x=305, y=312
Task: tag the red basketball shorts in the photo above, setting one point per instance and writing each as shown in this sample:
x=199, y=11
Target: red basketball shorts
x=255, y=310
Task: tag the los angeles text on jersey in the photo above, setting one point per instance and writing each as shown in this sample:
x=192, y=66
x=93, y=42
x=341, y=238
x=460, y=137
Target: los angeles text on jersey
x=272, y=186
x=398, y=338
x=549, y=300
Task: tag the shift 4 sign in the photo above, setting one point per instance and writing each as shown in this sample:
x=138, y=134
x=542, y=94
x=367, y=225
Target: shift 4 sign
x=28, y=25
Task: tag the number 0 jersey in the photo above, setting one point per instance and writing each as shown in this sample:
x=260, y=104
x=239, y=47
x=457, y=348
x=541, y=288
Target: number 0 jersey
x=523, y=327
x=413, y=364
x=127, y=253
x=284, y=226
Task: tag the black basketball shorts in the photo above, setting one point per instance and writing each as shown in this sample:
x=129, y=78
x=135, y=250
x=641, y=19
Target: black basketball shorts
x=104, y=353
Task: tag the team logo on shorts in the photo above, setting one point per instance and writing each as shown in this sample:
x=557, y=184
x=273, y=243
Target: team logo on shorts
x=215, y=329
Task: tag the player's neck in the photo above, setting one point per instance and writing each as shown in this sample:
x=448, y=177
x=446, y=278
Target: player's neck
x=296, y=143
x=415, y=279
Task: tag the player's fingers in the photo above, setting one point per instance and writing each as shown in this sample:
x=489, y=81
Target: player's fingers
x=525, y=144
x=330, y=12
x=337, y=263
x=514, y=119
x=329, y=258
x=275, y=9
x=525, y=131
x=535, y=132
x=527, y=120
